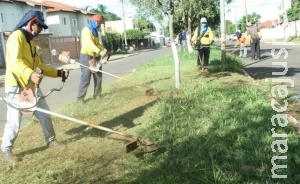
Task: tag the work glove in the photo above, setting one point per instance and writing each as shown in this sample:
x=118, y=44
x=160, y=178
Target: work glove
x=63, y=73
x=102, y=52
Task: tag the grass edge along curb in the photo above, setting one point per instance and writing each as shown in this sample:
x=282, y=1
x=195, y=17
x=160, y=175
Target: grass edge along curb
x=292, y=121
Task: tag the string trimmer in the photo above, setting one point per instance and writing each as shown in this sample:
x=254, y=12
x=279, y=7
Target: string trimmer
x=65, y=58
x=149, y=146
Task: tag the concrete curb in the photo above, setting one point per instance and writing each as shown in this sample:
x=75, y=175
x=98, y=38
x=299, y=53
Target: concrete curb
x=292, y=121
x=283, y=43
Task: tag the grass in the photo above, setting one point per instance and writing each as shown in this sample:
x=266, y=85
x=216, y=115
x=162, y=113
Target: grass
x=215, y=129
x=293, y=39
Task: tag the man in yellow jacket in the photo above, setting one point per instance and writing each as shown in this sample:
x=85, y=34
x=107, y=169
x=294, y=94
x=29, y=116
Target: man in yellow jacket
x=204, y=35
x=90, y=49
x=22, y=60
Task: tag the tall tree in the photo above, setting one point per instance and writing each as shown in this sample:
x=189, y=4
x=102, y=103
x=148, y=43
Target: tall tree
x=144, y=23
x=102, y=10
x=293, y=13
x=253, y=18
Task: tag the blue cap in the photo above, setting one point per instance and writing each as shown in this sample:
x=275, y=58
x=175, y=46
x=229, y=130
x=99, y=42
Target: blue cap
x=30, y=15
x=238, y=33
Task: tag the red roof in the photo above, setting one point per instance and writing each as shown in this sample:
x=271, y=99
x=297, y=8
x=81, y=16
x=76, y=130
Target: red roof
x=269, y=23
x=51, y=6
x=56, y=6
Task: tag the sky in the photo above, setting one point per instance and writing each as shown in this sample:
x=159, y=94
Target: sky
x=268, y=9
x=114, y=6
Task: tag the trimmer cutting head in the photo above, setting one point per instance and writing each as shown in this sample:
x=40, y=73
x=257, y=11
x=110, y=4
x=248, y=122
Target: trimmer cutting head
x=131, y=146
x=149, y=92
x=149, y=146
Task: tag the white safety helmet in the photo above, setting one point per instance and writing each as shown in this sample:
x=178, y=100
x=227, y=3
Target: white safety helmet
x=203, y=19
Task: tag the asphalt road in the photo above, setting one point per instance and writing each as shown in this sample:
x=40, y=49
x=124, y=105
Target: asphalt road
x=272, y=61
x=120, y=67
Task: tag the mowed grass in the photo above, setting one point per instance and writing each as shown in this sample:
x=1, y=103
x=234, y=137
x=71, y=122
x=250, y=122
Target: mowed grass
x=216, y=128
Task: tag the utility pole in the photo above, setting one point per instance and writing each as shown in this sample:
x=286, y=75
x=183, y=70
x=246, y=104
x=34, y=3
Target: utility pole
x=125, y=37
x=222, y=26
x=246, y=12
x=285, y=21
x=236, y=28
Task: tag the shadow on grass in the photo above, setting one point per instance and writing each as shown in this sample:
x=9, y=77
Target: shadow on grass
x=126, y=120
x=200, y=154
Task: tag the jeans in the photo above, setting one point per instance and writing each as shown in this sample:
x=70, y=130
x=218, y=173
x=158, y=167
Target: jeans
x=243, y=50
x=14, y=117
x=204, y=51
x=86, y=77
x=255, y=48
x=183, y=45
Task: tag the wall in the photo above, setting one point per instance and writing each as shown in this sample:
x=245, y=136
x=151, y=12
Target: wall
x=12, y=14
x=274, y=33
x=293, y=28
x=118, y=25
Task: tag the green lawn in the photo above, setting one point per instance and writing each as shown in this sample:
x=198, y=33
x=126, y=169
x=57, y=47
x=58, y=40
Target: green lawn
x=215, y=129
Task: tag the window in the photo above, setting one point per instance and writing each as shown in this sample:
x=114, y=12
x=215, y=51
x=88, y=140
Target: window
x=74, y=22
x=2, y=17
x=64, y=21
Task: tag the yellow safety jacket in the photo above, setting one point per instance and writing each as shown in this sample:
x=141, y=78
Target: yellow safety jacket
x=89, y=43
x=206, y=38
x=19, y=60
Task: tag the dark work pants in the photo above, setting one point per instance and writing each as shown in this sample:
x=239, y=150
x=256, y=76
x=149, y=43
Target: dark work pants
x=204, y=51
x=86, y=77
x=255, y=48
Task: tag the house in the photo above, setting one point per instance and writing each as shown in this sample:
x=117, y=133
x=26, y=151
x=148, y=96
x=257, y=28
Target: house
x=12, y=11
x=271, y=30
x=65, y=23
x=62, y=19
x=270, y=24
x=118, y=25
x=65, y=20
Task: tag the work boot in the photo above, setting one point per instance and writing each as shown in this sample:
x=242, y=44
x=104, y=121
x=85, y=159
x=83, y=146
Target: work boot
x=55, y=144
x=9, y=157
x=98, y=97
x=81, y=100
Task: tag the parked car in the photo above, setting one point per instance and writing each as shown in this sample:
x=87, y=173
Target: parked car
x=232, y=37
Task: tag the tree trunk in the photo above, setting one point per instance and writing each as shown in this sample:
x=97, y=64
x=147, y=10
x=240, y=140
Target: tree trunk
x=189, y=31
x=175, y=53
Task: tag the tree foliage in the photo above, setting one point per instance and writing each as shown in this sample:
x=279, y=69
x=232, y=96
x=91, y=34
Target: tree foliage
x=230, y=27
x=144, y=23
x=102, y=10
x=134, y=34
x=187, y=13
x=293, y=13
x=253, y=18
x=112, y=41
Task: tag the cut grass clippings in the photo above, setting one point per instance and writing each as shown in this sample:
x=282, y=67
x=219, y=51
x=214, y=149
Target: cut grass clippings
x=215, y=129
